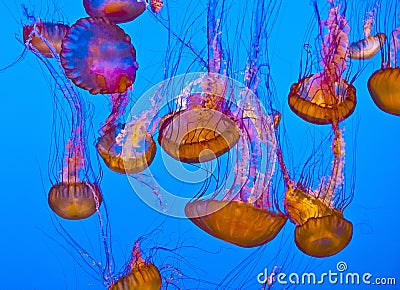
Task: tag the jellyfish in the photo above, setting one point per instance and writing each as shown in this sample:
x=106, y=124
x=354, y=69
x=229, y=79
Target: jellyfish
x=132, y=158
x=73, y=197
x=222, y=122
x=43, y=37
x=116, y=11
x=76, y=193
x=321, y=229
x=369, y=46
x=127, y=148
x=98, y=56
x=51, y=36
x=326, y=97
x=246, y=213
x=140, y=275
x=202, y=128
x=383, y=84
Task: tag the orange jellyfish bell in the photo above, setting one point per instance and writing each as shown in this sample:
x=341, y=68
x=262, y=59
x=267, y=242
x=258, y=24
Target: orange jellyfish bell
x=197, y=135
x=116, y=11
x=384, y=88
x=384, y=84
x=127, y=148
x=205, y=129
x=73, y=197
x=320, y=107
x=74, y=200
x=141, y=275
x=236, y=222
x=45, y=37
x=366, y=48
x=321, y=230
x=324, y=236
x=134, y=156
x=325, y=97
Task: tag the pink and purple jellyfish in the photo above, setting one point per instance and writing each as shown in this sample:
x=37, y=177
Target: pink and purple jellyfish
x=98, y=56
x=116, y=11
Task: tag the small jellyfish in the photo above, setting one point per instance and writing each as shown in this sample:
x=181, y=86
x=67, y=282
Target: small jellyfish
x=326, y=97
x=116, y=11
x=140, y=275
x=98, y=56
x=73, y=196
x=321, y=229
x=126, y=152
x=369, y=46
x=74, y=200
x=51, y=36
x=127, y=148
x=203, y=127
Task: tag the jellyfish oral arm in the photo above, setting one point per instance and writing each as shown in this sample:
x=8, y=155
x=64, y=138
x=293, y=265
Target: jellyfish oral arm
x=214, y=41
x=335, y=46
x=336, y=178
x=119, y=102
x=394, y=47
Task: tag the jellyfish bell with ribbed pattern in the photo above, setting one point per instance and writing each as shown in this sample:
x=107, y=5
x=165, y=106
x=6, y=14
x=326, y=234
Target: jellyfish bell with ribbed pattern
x=45, y=37
x=205, y=128
x=127, y=150
x=139, y=274
x=368, y=46
x=326, y=97
x=74, y=200
x=384, y=83
x=98, y=56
